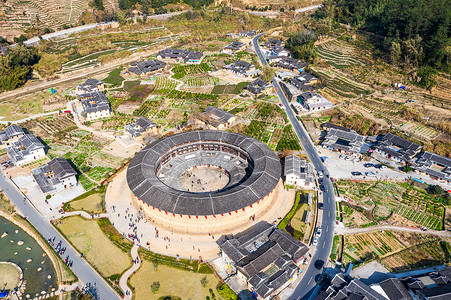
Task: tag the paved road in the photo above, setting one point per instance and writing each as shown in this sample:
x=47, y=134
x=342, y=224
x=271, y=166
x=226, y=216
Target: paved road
x=346, y=231
x=308, y=282
x=80, y=267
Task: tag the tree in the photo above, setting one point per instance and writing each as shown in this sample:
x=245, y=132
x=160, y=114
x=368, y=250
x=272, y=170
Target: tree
x=302, y=45
x=155, y=264
x=204, y=281
x=155, y=287
x=97, y=4
x=434, y=189
x=268, y=73
x=395, y=52
x=428, y=77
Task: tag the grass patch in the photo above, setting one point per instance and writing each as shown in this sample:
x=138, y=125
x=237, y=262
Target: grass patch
x=114, y=78
x=172, y=282
x=89, y=238
x=129, y=85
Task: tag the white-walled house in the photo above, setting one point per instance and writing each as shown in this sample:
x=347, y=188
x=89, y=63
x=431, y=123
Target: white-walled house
x=55, y=176
x=27, y=149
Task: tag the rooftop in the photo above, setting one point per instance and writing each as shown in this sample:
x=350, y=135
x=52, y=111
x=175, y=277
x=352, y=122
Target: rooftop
x=266, y=255
x=139, y=126
x=10, y=132
x=144, y=183
x=258, y=86
x=94, y=102
x=146, y=66
x=434, y=164
x=398, y=147
x=294, y=165
x=346, y=140
x=214, y=116
x=51, y=174
x=23, y=147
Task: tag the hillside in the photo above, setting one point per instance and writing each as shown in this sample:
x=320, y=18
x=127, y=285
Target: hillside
x=18, y=15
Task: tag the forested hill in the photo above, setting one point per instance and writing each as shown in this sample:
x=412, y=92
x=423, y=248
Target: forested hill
x=415, y=32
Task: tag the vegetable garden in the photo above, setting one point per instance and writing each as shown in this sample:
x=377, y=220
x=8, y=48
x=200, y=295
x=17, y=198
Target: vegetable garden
x=385, y=198
x=398, y=251
x=181, y=71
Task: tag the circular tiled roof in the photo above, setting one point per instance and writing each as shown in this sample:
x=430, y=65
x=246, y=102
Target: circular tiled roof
x=262, y=177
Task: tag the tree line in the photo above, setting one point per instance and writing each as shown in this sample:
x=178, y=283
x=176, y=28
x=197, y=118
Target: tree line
x=16, y=66
x=415, y=33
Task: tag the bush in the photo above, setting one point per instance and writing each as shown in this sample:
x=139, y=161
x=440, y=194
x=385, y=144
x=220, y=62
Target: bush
x=155, y=287
x=434, y=189
x=226, y=292
x=204, y=281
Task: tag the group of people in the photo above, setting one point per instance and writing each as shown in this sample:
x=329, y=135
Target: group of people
x=60, y=250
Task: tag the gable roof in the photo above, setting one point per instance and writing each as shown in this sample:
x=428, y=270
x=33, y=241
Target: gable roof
x=61, y=167
x=398, y=147
x=395, y=290
x=258, y=86
x=94, y=102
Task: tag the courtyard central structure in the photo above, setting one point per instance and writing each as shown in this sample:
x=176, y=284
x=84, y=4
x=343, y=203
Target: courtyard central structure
x=204, y=181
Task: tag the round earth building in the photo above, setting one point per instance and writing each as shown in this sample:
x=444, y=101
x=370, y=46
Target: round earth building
x=204, y=181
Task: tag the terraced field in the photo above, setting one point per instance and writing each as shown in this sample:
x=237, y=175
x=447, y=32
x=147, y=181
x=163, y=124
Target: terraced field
x=419, y=130
x=337, y=84
x=339, y=54
x=398, y=251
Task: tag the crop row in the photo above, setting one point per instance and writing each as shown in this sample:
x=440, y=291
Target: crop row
x=181, y=71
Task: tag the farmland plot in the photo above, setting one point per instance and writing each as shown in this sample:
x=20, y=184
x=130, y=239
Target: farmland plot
x=385, y=198
x=181, y=71
x=423, y=255
x=419, y=130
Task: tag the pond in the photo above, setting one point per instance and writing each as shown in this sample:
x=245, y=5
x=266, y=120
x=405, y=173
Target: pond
x=20, y=248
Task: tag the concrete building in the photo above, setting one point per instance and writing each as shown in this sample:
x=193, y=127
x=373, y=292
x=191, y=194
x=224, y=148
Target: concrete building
x=90, y=86
x=313, y=101
x=25, y=150
x=139, y=127
x=146, y=66
x=436, y=166
x=242, y=68
x=179, y=55
x=10, y=135
x=259, y=86
x=55, y=176
x=347, y=141
x=298, y=172
x=397, y=149
x=233, y=47
x=264, y=258
x=215, y=118
x=95, y=105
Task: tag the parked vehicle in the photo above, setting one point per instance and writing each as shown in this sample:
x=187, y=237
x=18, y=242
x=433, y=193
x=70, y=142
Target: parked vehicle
x=368, y=165
x=356, y=173
x=315, y=240
x=318, y=232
